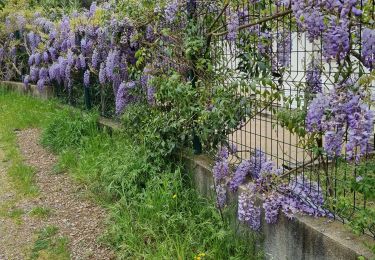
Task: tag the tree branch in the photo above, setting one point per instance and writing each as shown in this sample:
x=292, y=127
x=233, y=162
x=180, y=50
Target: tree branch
x=16, y=69
x=263, y=20
x=299, y=167
x=218, y=16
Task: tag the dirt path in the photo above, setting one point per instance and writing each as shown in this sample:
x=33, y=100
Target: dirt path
x=76, y=218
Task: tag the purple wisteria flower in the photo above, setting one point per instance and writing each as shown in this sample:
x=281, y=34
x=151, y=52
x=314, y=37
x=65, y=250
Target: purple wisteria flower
x=240, y=174
x=86, y=46
x=54, y=71
x=233, y=22
x=31, y=60
x=70, y=58
x=33, y=40
x=300, y=195
x=52, y=53
x=86, y=78
x=368, y=47
x=333, y=141
x=171, y=11
x=34, y=73
x=125, y=96
x=150, y=33
x=26, y=81
x=82, y=61
x=221, y=195
x=309, y=18
x=37, y=58
x=220, y=172
x=112, y=63
x=341, y=116
x=95, y=59
x=361, y=124
x=316, y=112
x=346, y=7
x=62, y=66
x=307, y=197
x=284, y=48
x=336, y=40
x=260, y=165
x=43, y=73
x=93, y=8
x=221, y=167
x=271, y=206
x=40, y=84
x=151, y=95
x=247, y=211
x=102, y=74
x=45, y=57
x=68, y=73
x=314, y=78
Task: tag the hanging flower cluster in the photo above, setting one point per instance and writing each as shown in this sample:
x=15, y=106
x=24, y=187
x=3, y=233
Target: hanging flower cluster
x=314, y=78
x=266, y=190
x=220, y=173
x=338, y=114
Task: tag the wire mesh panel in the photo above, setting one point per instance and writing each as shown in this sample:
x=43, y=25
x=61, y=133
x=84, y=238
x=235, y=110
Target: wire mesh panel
x=271, y=45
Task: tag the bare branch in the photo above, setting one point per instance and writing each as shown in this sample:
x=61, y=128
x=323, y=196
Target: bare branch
x=218, y=17
x=266, y=19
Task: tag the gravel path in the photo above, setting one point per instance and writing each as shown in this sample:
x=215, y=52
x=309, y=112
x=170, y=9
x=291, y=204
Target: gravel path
x=78, y=219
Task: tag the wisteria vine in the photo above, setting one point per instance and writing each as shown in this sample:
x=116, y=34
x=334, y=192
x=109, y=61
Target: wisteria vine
x=265, y=190
x=90, y=47
x=105, y=48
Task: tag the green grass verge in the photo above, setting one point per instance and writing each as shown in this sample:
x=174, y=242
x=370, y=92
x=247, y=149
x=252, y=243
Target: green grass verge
x=155, y=212
x=20, y=112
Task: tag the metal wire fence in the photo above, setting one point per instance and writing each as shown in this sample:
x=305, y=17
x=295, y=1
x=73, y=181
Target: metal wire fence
x=263, y=129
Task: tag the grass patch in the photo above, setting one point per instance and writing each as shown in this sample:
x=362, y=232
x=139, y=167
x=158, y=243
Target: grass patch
x=40, y=212
x=59, y=136
x=23, y=179
x=155, y=212
x=9, y=210
x=67, y=160
x=15, y=214
x=19, y=112
x=50, y=246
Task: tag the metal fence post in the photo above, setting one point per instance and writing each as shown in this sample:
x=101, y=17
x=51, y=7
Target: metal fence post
x=191, y=12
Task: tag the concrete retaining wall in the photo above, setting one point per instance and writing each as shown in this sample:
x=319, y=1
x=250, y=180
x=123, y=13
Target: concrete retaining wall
x=304, y=237
x=31, y=90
